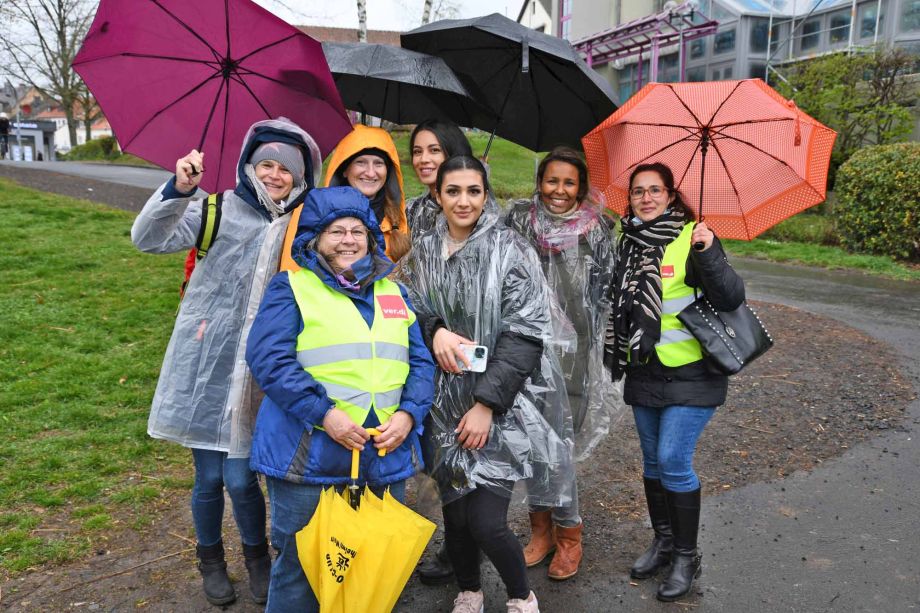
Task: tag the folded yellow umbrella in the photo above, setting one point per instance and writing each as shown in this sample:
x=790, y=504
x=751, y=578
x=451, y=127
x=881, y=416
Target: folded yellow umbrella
x=359, y=560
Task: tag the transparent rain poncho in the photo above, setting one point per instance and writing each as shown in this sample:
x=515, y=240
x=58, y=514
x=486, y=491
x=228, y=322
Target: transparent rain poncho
x=577, y=255
x=493, y=285
x=205, y=397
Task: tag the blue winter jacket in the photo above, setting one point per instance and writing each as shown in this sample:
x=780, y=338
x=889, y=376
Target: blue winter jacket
x=286, y=443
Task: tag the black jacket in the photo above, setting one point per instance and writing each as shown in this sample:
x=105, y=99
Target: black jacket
x=699, y=383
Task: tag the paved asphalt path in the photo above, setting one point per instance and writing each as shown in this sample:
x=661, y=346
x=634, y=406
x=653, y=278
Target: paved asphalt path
x=842, y=537
x=135, y=176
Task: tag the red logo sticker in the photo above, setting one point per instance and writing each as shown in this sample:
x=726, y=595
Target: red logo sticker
x=667, y=271
x=393, y=307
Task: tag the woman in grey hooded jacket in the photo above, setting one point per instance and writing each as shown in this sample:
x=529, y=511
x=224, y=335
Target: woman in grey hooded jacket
x=205, y=398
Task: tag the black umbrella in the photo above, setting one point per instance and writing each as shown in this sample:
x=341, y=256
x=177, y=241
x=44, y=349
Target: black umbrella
x=401, y=86
x=539, y=86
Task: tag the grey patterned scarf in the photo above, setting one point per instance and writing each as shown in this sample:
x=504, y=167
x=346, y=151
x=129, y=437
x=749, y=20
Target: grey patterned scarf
x=635, y=321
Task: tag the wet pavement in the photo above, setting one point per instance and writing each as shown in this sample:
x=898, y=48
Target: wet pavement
x=135, y=176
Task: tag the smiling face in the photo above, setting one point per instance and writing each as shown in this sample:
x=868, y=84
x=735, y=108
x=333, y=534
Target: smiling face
x=648, y=196
x=367, y=173
x=559, y=187
x=277, y=180
x=427, y=156
x=343, y=243
x=462, y=197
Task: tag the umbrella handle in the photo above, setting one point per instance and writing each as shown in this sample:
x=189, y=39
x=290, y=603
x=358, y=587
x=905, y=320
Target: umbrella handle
x=356, y=455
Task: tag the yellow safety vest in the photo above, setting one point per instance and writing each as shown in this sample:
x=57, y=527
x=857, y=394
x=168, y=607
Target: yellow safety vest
x=360, y=367
x=677, y=346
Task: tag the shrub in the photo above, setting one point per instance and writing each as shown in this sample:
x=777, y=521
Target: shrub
x=103, y=148
x=878, y=206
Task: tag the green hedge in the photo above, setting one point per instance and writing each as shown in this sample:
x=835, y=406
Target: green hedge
x=878, y=205
x=103, y=148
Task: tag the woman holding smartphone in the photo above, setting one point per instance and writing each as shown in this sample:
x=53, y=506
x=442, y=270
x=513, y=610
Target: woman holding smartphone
x=484, y=432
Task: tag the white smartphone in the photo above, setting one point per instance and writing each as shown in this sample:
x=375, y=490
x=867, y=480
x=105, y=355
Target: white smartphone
x=478, y=355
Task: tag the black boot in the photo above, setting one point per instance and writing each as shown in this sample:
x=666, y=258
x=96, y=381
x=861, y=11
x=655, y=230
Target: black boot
x=217, y=587
x=438, y=570
x=658, y=555
x=684, y=511
x=259, y=565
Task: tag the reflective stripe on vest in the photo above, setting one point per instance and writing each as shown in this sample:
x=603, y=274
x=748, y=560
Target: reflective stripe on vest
x=676, y=346
x=360, y=367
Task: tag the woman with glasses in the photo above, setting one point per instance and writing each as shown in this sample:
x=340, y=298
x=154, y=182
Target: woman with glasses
x=336, y=348
x=663, y=257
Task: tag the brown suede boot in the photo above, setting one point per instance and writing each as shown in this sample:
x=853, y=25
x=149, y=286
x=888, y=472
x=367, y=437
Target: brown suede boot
x=542, y=541
x=568, y=553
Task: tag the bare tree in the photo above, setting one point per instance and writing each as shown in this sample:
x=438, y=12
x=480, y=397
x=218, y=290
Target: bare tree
x=426, y=12
x=443, y=9
x=362, y=21
x=45, y=37
x=89, y=110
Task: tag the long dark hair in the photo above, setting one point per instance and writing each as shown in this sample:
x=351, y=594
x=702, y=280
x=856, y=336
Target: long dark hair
x=667, y=177
x=462, y=162
x=449, y=136
x=566, y=155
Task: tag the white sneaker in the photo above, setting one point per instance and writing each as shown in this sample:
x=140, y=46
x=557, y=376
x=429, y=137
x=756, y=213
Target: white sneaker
x=517, y=605
x=469, y=602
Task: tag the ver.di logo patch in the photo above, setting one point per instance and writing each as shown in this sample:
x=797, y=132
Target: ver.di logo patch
x=667, y=271
x=393, y=307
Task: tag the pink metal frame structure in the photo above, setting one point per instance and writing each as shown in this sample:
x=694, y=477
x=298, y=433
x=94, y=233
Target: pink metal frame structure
x=649, y=33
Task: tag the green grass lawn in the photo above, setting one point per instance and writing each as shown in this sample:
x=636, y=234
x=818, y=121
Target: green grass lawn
x=822, y=256
x=84, y=320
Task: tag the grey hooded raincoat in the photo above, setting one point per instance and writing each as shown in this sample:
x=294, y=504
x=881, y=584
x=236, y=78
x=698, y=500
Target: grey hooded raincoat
x=205, y=397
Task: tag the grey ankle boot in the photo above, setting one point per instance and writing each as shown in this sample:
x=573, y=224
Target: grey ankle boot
x=213, y=568
x=259, y=565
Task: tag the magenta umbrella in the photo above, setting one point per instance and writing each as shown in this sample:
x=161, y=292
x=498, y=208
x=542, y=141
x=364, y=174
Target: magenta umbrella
x=174, y=75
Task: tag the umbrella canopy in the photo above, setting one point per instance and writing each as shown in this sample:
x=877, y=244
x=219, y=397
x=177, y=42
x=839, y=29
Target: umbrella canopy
x=172, y=76
x=401, y=86
x=358, y=555
x=763, y=159
x=541, y=89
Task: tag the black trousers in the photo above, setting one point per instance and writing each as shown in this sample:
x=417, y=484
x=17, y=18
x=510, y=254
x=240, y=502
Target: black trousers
x=479, y=522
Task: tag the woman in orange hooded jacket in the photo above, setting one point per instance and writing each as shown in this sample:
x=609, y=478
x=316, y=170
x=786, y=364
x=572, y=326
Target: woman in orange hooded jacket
x=367, y=160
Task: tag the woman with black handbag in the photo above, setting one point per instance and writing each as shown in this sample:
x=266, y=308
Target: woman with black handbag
x=673, y=388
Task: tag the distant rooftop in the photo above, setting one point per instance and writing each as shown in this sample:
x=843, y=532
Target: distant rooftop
x=349, y=35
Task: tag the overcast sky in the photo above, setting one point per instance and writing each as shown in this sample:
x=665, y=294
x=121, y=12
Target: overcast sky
x=397, y=15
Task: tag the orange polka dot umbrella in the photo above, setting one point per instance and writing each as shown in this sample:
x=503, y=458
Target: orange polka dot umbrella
x=759, y=158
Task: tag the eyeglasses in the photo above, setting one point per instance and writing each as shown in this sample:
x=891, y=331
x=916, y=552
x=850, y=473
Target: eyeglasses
x=338, y=234
x=655, y=191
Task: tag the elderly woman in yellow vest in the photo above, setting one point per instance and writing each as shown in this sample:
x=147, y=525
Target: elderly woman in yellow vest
x=672, y=387
x=337, y=349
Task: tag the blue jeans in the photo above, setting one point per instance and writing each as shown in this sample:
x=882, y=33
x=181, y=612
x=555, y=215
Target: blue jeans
x=213, y=472
x=668, y=439
x=292, y=506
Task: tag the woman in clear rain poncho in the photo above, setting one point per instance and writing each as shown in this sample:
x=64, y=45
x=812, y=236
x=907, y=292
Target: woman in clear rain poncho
x=205, y=398
x=474, y=281
x=574, y=241
x=431, y=142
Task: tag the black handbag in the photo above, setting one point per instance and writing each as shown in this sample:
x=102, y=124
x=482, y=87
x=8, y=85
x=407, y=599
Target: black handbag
x=731, y=338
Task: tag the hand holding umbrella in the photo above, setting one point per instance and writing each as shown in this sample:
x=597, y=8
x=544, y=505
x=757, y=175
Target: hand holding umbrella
x=189, y=170
x=702, y=237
